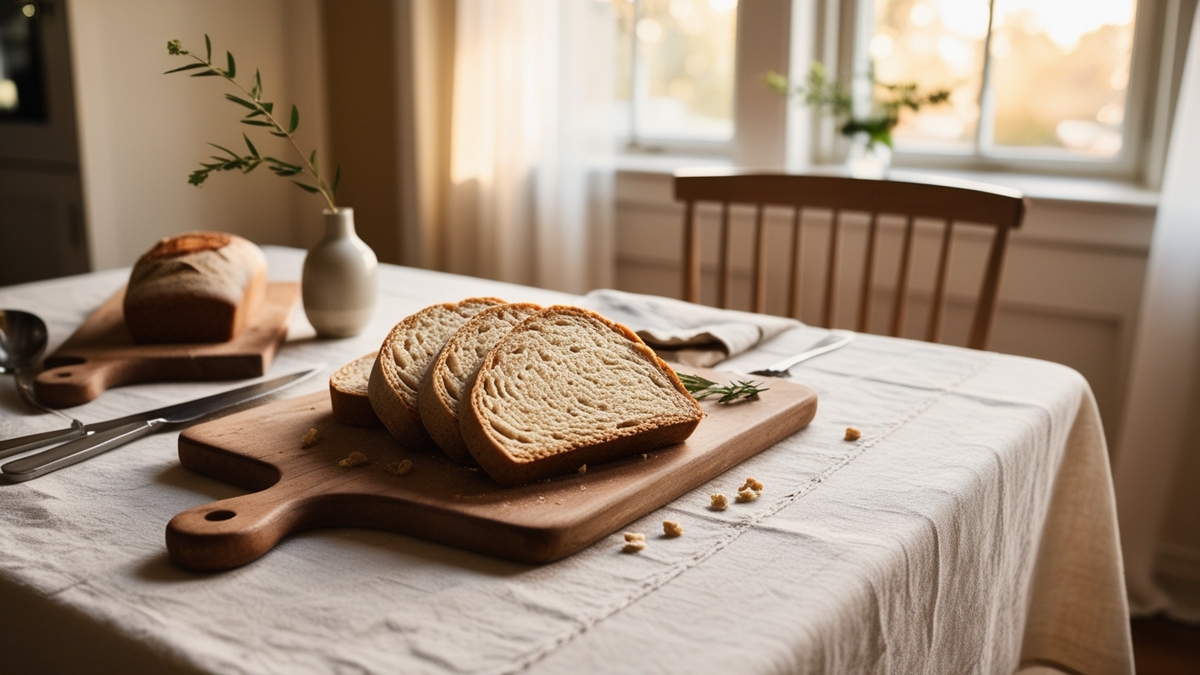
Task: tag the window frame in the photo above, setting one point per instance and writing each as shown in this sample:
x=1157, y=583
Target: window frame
x=633, y=144
x=855, y=28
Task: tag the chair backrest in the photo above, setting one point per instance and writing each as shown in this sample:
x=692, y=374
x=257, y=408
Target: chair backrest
x=946, y=200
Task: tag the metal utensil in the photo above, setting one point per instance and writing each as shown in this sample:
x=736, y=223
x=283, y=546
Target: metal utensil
x=114, y=433
x=835, y=340
x=23, y=338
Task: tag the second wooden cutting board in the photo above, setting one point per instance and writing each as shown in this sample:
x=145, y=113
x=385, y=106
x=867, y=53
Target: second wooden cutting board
x=299, y=489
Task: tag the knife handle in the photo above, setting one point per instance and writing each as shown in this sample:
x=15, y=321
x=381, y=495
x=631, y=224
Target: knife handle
x=16, y=446
x=76, y=451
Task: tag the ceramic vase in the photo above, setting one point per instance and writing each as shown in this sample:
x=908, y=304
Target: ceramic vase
x=339, y=280
x=868, y=159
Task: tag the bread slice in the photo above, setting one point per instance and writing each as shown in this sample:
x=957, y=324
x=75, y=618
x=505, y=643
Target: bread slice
x=406, y=353
x=348, y=393
x=568, y=387
x=446, y=380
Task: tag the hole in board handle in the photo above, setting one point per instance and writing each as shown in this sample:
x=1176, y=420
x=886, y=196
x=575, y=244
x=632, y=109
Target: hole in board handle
x=219, y=515
x=63, y=374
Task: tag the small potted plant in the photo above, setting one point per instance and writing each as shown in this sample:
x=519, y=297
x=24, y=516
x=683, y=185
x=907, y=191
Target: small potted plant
x=339, y=279
x=871, y=136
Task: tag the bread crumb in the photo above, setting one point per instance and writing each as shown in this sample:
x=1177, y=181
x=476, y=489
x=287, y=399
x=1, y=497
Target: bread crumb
x=310, y=439
x=719, y=502
x=472, y=468
x=853, y=434
x=672, y=528
x=541, y=499
x=356, y=458
x=635, y=536
x=645, y=456
x=747, y=495
x=559, y=502
x=400, y=468
x=581, y=470
x=753, y=484
x=582, y=487
x=634, y=546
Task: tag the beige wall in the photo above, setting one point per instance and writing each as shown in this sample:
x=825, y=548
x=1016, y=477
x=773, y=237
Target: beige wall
x=142, y=132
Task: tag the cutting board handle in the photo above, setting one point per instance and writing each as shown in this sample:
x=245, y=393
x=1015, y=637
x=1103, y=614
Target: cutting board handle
x=232, y=532
x=77, y=383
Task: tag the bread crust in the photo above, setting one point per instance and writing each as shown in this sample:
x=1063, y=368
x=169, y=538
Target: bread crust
x=437, y=406
x=486, y=444
x=394, y=401
x=348, y=393
x=195, y=287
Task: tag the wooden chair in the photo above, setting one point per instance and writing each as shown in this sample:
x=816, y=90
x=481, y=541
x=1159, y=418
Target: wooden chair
x=948, y=201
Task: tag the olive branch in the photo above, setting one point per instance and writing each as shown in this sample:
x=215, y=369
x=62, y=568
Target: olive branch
x=261, y=115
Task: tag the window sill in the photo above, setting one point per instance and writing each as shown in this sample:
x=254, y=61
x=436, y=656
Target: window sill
x=1067, y=189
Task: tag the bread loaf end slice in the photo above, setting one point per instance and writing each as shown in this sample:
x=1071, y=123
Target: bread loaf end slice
x=568, y=387
x=406, y=353
x=446, y=381
x=348, y=393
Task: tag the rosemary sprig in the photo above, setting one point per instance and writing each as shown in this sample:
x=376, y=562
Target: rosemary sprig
x=701, y=388
x=260, y=115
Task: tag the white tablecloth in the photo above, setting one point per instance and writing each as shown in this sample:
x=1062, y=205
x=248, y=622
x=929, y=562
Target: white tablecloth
x=971, y=529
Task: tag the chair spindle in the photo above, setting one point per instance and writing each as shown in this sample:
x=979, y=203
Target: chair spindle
x=864, y=300
x=794, y=278
x=933, y=332
x=691, y=254
x=760, y=261
x=900, y=306
x=723, y=280
x=827, y=312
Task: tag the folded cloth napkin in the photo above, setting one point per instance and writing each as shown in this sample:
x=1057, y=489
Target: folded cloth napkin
x=679, y=331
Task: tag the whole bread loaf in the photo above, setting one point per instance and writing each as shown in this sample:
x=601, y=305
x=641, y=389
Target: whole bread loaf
x=445, y=382
x=568, y=387
x=406, y=353
x=348, y=393
x=195, y=287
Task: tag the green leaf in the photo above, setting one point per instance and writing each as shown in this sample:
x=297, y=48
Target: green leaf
x=255, y=113
x=295, y=120
x=190, y=66
x=222, y=148
x=269, y=107
x=256, y=92
x=284, y=172
x=337, y=178
x=257, y=123
x=285, y=165
x=232, y=70
x=279, y=134
x=312, y=160
x=240, y=101
x=253, y=150
x=306, y=187
x=208, y=47
x=207, y=73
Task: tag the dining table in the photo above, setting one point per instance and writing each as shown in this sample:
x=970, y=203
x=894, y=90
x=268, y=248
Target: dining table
x=970, y=529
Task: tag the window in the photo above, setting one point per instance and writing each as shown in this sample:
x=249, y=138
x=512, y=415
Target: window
x=1030, y=80
x=675, y=72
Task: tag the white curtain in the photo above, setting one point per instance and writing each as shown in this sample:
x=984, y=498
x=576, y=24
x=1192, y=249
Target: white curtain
x=1164, y=384
x=531, y=164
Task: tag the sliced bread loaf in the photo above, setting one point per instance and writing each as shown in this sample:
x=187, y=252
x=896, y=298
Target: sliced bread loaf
x=348, y=393
x=568, y=387
x=406, y=353
x=446, y=380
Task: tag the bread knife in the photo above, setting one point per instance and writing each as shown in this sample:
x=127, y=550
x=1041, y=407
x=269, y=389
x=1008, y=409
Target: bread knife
x=104, y=436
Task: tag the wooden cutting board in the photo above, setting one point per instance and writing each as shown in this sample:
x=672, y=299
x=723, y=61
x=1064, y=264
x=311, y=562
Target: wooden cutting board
x=101, y=354
x=300, y=489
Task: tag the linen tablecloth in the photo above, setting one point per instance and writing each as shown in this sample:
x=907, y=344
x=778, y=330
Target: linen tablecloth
x=970, y=530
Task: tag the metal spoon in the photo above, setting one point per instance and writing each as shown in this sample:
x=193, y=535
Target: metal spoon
x=23, y=338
